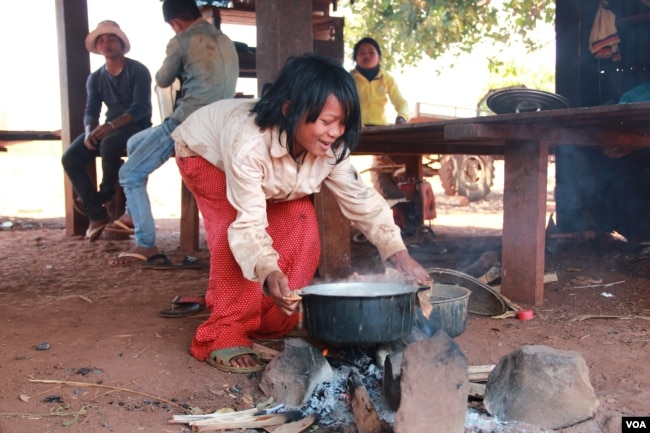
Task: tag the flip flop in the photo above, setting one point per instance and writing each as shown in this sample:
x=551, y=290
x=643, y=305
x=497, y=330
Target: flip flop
x=183, y=306
x=118, y=226
x=156, y=260
x=127, y=254
x=220, y=359
x=94, y=233
x=189, y=262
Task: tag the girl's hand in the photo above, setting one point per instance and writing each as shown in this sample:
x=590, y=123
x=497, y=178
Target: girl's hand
x=277, y=286
x=405, y=263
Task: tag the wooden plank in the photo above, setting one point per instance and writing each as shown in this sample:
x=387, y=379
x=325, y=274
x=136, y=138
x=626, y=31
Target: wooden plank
x=554, y=136
x=524, y=220
x=189, y=237
x=29, y=135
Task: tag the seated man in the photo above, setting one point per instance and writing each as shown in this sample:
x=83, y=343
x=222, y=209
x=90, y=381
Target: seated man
x=124, y=86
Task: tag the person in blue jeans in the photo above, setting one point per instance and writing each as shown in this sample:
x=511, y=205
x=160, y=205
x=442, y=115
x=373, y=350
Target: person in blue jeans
x=206, y=63
x=123, y=85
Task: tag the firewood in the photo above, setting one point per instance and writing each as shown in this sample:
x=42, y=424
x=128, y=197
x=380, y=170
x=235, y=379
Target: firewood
x=246, y=421
x=479, y=373
x=476, y=390
x=293, y=427
x=365, y=415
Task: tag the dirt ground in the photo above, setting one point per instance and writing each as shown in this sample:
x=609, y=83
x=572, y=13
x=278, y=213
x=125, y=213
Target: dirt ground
x=113, y=364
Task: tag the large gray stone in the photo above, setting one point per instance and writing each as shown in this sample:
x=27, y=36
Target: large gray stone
x=292, y=376
x=541, y=386
x=434, y=387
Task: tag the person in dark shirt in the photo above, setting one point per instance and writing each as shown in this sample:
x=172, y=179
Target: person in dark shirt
x=123, y=85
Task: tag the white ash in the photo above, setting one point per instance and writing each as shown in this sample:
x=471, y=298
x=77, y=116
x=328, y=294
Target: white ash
x=331, y=400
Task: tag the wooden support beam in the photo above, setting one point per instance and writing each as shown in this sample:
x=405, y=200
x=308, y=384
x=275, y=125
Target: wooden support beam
x=289, y=33
x=524, y=215
x=74, y=67
x=334, y=230
x=189, y=238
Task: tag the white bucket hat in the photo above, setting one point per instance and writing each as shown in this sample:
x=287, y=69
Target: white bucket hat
x=103, y=28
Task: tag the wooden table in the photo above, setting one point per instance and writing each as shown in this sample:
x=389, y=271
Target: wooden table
x=524, y=139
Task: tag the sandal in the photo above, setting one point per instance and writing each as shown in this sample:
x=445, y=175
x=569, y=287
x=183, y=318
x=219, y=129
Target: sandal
x=156, y=260
x=118, y=226
x=127, y=258
x=95, y=230
x=220, y=359
x=184, y=306
x=189, y=262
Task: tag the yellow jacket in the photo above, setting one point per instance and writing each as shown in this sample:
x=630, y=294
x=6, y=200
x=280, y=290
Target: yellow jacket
x=374, y=95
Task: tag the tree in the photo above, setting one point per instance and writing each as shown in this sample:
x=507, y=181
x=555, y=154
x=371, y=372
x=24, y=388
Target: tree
x=410, y=30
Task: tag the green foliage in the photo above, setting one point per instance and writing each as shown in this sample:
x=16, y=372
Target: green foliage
x=410, y=30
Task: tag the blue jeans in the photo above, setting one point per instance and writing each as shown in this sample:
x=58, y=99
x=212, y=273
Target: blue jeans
x=147, y=150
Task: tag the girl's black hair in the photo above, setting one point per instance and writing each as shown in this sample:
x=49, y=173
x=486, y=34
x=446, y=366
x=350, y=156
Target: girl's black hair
x=305, y=82
x=366, y=40
x=186, y=10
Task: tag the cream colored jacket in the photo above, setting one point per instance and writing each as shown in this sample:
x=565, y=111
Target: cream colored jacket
x=258, y=169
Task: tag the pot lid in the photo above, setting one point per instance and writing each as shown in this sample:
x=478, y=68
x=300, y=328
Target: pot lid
x=524, y=101
x=356, y=290
x=484, y=300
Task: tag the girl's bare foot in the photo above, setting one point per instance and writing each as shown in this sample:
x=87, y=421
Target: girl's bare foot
x=244, y=361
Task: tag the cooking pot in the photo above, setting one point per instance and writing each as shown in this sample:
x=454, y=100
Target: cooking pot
x=358, y=312
x=447, y=311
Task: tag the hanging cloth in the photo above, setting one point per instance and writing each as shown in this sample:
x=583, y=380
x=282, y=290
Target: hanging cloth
x=604, y=39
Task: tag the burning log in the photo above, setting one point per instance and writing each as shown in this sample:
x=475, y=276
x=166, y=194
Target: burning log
x=365, y=415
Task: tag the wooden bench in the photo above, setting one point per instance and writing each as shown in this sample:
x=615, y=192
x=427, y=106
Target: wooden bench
x=11, y=137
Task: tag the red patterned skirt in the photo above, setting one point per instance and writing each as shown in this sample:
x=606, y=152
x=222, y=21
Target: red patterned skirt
x=239, y=311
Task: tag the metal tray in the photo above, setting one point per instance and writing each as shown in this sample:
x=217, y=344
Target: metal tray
x=525, y=100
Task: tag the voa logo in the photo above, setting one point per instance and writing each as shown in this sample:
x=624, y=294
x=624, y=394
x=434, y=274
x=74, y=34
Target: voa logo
x=636, y=424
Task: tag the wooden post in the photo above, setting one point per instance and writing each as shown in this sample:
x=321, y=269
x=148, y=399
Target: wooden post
x=74, y=67
x=524, y=221
x=287, y=33
x=334, y=230
x=189, y=240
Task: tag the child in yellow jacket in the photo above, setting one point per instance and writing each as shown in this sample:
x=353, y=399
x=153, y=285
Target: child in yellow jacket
x=375, y=86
